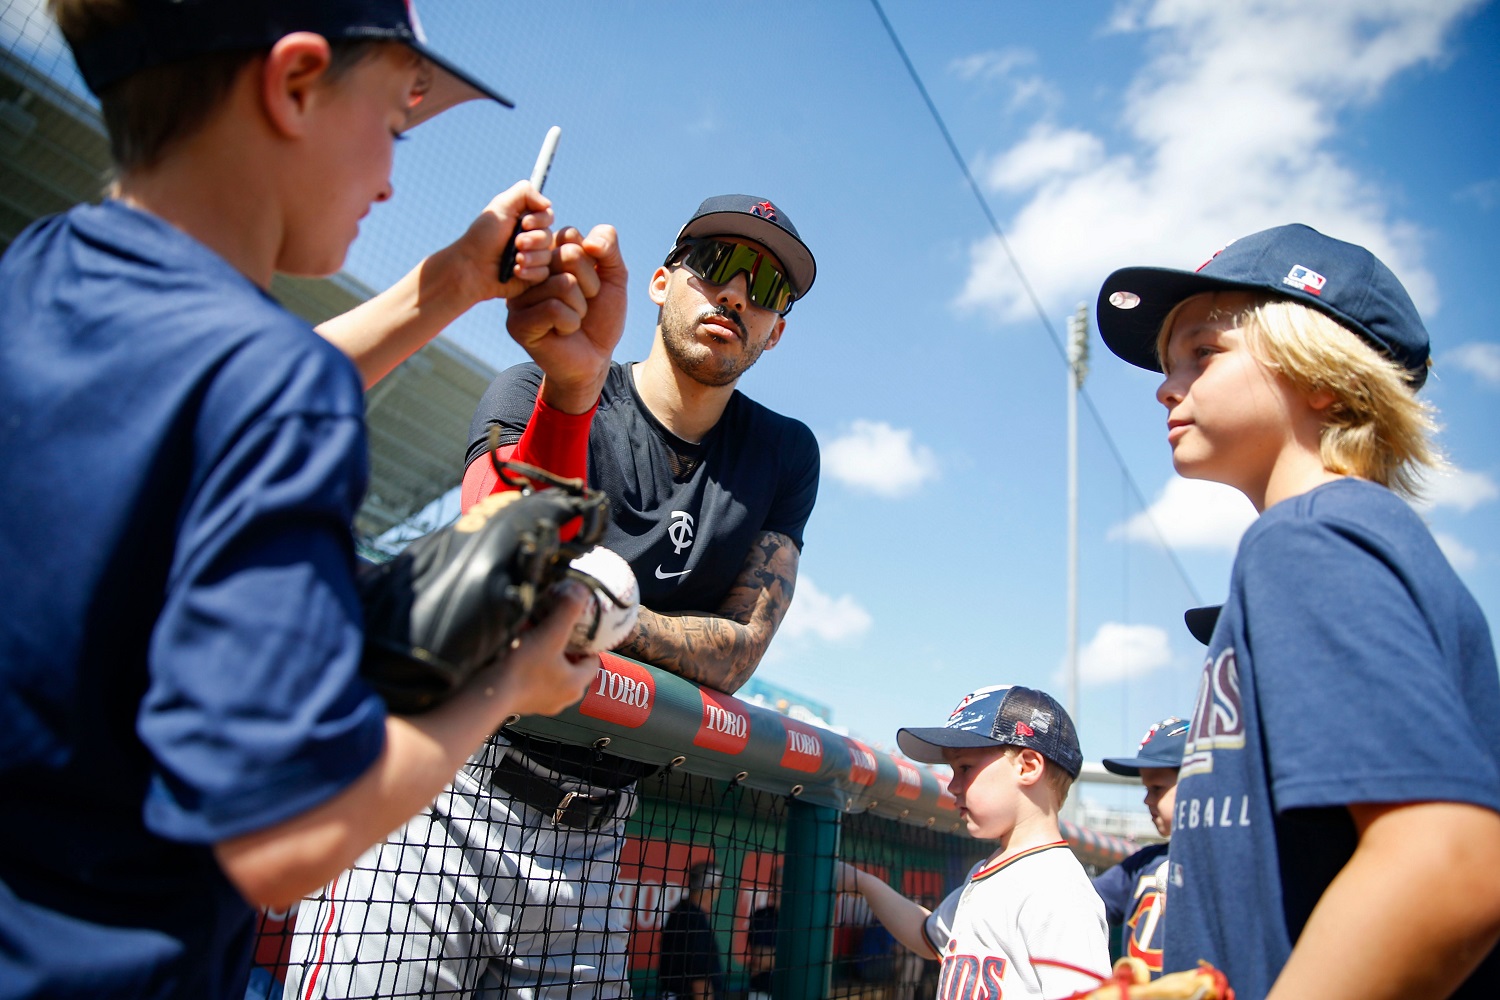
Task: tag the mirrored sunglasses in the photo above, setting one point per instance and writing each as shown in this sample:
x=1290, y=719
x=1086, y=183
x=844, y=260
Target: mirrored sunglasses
x=718, y=261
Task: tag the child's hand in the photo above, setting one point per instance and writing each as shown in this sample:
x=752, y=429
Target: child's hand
x=478, y=250
x=538, y=677
x=847, y=879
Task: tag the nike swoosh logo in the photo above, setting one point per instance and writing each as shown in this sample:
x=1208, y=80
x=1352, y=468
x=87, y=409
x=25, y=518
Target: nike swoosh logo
x=667, y=576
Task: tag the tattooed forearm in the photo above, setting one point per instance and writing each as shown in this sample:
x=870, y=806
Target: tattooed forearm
x=722, y=649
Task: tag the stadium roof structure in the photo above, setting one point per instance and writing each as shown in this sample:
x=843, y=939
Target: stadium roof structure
x=54, y=154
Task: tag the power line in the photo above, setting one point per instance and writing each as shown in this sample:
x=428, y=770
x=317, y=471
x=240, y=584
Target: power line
x=1036, y=303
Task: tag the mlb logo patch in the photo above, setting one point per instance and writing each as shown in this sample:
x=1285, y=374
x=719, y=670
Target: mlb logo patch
x=1305, y=279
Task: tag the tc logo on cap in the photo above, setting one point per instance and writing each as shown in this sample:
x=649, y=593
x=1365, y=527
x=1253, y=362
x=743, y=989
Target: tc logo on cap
x=765, y=210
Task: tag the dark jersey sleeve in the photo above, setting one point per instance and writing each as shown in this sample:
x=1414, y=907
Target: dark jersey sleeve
x=509, y=403
x=798, y=489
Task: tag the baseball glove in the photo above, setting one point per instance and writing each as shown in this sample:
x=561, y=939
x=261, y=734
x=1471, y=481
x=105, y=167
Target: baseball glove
x=457, y=599
x=1132, y=981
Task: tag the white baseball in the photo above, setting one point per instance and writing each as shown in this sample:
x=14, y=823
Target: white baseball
x=609, y=622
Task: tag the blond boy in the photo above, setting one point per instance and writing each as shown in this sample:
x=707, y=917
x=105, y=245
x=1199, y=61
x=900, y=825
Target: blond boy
x=1337, y=830
x=187, y=736
x=1026, y=923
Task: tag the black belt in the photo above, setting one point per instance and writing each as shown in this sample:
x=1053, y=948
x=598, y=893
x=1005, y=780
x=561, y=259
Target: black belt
x=573, y=809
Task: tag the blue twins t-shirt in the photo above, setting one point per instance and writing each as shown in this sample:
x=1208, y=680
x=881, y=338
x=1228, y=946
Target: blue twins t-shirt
x=684, y=515
x=181, y=639
x=1133, y=902
x=1350, y=665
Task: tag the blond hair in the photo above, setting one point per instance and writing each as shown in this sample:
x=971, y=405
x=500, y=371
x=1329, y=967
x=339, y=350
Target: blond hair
x=1376, y=428
x=1058, y=781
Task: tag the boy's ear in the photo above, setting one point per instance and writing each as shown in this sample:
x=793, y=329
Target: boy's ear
x=1030, y=766
x=290, y=73
x=1321, y=399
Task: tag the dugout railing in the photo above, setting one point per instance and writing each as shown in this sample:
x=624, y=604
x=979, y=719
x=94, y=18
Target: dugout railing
x=773, y=802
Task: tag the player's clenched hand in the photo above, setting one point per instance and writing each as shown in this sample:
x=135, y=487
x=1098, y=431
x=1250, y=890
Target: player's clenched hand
x=571, y=322
x=480, y=247
x=537, y=677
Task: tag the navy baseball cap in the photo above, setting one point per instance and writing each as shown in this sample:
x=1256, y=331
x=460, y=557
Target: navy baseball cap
x=1340, y=280
x=1201, y=621
x=167, y=31
x=1162, y=746
x=755, y=219
x=1003, y=715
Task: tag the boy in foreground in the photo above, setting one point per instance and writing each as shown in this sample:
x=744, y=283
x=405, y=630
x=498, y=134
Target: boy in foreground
x=187, y=736
x=1026, y=923
x=1134, y=891
x=1338, y=814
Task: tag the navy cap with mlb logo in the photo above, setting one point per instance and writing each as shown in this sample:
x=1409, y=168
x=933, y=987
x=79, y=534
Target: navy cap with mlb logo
x=167, y=31
x=1162, y=746
x=1003, y=715
x=1341, y=280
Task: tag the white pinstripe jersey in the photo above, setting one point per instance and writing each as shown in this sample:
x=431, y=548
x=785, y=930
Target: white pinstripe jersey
x=1025, y=926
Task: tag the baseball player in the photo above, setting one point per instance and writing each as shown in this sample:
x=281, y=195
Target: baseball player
x=1134, y=891
x=1026, y=923
x=1337, y=830
x=506, y=883
x=186, y=732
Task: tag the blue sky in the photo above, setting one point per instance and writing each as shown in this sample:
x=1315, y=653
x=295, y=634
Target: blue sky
x=1102, y=135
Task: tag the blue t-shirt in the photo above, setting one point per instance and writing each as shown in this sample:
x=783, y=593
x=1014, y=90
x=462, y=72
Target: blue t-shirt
x=1130, y=895
x=684, y=515
x=179, y=652
x=1350, y=665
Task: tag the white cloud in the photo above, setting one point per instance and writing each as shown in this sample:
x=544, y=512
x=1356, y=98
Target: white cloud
x=1191, y=514
x=818, y=614
x=1003, y=66
x=878, y=458
x=1485, y=194
x=1479, y=359
x=1459, y=488
x=1118, y=652
x=1228, y=130
x=1460, y=556
x=1046, y=153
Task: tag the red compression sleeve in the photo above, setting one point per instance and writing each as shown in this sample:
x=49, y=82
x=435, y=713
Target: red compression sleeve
x=553, y=440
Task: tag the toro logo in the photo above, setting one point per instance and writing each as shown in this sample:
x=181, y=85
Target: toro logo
x=862, y=766
x=804, y=747
x=725, y=725
x=909, y=785
x=623, y=693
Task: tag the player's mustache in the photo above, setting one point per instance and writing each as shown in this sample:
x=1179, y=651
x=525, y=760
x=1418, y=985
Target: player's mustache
x=729, y=314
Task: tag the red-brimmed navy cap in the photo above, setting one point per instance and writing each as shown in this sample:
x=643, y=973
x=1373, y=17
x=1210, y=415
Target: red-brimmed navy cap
x=1341, y=280
x=170, y=30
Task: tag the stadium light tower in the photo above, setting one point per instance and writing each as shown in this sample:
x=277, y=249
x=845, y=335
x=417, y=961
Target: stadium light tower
x=1078, y=368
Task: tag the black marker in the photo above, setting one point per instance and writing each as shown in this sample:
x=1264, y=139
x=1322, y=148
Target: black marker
x=538, y=178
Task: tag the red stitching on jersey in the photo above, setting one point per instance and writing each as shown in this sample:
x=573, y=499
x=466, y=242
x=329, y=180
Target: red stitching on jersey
x=1065, y=965
x=312, y=980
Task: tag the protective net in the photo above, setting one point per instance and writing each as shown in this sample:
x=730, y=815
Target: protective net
x=663, y=887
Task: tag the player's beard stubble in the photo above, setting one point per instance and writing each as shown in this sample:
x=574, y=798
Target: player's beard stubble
x=700, y=362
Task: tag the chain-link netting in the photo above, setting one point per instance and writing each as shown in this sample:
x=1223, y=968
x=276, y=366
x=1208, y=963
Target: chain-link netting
x=557, y=871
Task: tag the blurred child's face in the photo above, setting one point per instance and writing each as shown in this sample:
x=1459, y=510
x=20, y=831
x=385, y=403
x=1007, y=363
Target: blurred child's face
x=987, y=787
x=349, y=157
x=1229, y=417
x=1161, y=796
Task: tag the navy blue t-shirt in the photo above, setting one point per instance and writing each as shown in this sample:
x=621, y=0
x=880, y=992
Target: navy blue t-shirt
x=684, y=515
x=1350, y=665
x=179, y=652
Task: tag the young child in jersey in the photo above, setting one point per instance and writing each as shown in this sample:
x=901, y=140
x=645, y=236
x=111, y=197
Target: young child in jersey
x=186, y=732
x=1134, y=891
x=1026, y=923
x=1337, y=829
